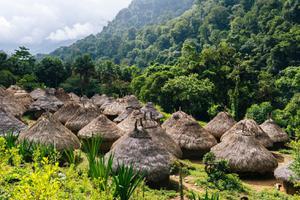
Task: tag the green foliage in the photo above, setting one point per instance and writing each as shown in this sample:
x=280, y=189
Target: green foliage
x=7, y=78
x=218, y=176
x=10, y=139
x=126, y=181
x=260, y=112
x=194, y=196
x=29, y=82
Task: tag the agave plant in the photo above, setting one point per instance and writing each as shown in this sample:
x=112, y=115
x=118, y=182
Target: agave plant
x=126, y=181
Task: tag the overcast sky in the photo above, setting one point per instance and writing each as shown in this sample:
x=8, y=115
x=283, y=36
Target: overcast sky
x=43, y=25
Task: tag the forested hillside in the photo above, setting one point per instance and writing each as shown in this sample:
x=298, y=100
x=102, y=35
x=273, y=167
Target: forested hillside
x=239, y=55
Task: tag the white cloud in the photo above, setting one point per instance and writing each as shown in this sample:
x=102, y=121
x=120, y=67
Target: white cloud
x=43, y=25
x=76, y=31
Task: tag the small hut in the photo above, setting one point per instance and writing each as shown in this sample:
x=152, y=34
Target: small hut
x=99, y=100
x=74, y=97
x=45, y=103
x=82, y=117
x=8, y=123
x=277, y=135
x=251, y=126
x=150, y=111
x=124, y=115
x=287, y=177
x=103, y=127
x=245, y=154
x=157, y=133
x=48, y=131
x=117, y=107
x=194, y=140
x=138, y=149
x=66, y=112
x=220, y=124
x=62, y=95
x=37, y=93
x=10, y=104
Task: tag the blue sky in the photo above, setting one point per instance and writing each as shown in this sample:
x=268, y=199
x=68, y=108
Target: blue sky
x=43, y=25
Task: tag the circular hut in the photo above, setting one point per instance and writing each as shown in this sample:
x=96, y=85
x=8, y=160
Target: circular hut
x=62, y=95
x=99, y=100
x=251, y=126
x=103, y=127
x=150, y=111
x=49, y=131
x=153, y=128
x=82, y=117
x=287, y=177
x=37, y=93
x=10, y=104
x=277, y=135
x=8, y=123
x=245, y=154
x=66, y=112
x=124, y=115
x=137, y=149
x=194, y=140
x=20, y=95
x=220, y=124
x=74, y=97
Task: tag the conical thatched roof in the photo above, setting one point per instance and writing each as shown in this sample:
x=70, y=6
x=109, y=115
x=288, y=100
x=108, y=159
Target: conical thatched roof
x=49, y=131
x=251, y=126
x=66, y=112
x=20, y=95
x=45, y=103
x=124, y=115
x=157, y=133
x=220, y=124
x=8, y=123
x=37, y=93
x=194, y=140
x=245, y=154
x=103, y=127
x=145, y=155
x=99, y=100
x=9, y=103
x=284, y=173
x=13, y=88
x=62, y=95
x=74, y=97
x=276, y=134
x=117, y=107
x=86, y=102
x=83, y=116
x=150, y=111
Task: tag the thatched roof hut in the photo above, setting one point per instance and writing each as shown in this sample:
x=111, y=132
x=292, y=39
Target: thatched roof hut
x=20, y=95
x=124, y=115
x=138, y=149
x=245, y=154
x=220, y=124
x=62, y=95
x=251, y=126
x=74, y=97
x=37, y=93
x=277, y=134
x=150, y=111
x=157, y=133
x=45, y=103
x=99, y=100
x=66, y=112
x=194, y=140
x=49, y=131
x=117, y=107
x=9, y=103
x=82, y=117
x=8, y=123
x=103, y=127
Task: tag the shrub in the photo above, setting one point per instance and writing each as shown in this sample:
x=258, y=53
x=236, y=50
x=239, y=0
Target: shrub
x=193, y=196
x=259, y=112
x=10, y=139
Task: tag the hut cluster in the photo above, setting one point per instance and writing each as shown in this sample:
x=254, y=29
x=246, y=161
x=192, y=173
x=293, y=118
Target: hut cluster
x=133, y=132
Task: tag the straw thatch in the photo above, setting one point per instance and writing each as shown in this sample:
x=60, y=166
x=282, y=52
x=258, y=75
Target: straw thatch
x=245, y=154
x=62, y=95
x=194, y=140
x=157, y=133
x=276, y=134
x=49, y=131
x=10, y=104
x=20, y=95
x=8, y=123
x=99, y=100
x=74, y=97
x=37, y=93
x=124, y=115
x=86, y=102
x=220, y=124
x=140, y=151
x=103, y=127
x=66, y=112
x=83, y=116
x=251, y=126
x=117, y=107
x=45, y=103
x=150, y=111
